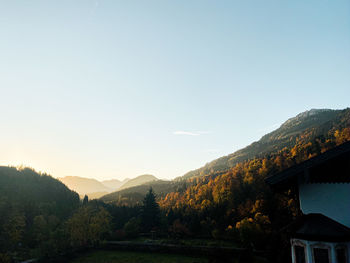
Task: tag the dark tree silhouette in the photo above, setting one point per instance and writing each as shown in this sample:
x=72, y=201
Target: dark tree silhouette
x=150, y=211
x=85, y=200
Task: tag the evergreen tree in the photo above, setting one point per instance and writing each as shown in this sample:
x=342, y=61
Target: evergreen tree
x=85, y=200
x=150, y=211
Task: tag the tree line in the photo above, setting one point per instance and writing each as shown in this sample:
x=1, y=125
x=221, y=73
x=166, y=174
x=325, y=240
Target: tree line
x=41, y=218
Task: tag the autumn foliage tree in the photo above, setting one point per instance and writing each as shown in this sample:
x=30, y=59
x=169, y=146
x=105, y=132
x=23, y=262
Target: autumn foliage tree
x=238, y=203
x=88, y=226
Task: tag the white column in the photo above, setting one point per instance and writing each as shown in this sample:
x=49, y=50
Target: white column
x=333, y=254
x=308, y=252
x=292, y=250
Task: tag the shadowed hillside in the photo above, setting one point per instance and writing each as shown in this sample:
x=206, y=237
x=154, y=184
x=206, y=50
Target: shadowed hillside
x=29, y=188
x=32, y=207
x=134, y=195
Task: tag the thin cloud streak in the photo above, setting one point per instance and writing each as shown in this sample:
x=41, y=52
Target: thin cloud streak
x=186, y=133
x=190, y=133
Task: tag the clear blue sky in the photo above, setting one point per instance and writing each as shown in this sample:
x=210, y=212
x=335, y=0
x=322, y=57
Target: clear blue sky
x=114, y=89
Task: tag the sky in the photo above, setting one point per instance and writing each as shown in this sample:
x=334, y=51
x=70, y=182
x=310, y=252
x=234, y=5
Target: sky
x=115, y=89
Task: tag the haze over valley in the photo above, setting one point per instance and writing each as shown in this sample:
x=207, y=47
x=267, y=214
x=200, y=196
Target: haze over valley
x=95, y=189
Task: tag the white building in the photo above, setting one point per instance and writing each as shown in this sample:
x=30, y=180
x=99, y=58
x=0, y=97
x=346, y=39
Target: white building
x=322, y=234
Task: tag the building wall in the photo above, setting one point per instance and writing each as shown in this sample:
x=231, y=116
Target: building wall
x=329, y=199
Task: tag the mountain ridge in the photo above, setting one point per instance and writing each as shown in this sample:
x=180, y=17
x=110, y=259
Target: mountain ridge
x=114, y=184
x=84, y=185
x=308, y=125
x=285, y=135
x=95, y=189
x=139, y=180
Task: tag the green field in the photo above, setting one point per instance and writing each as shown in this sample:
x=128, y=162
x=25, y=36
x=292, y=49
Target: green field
x=108, y=256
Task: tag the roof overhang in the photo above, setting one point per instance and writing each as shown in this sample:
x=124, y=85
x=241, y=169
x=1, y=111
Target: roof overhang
x=300, y=172
x=317, y=227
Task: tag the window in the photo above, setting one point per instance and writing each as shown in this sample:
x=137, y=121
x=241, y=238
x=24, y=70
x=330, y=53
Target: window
x=341, y=254
x=299, y=254
x=321, y=255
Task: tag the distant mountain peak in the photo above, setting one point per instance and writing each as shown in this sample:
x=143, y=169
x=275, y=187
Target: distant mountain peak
x=84, y=185
x=94, y=188
x=141, y=179
x=114, y=184
x=304, y=115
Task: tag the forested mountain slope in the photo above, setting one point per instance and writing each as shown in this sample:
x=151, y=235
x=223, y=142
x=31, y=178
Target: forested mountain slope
x=237, y=203
x=134, y=195
x=311, y=131
x=312, y=123
x=27, y=188
x=29, y=201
